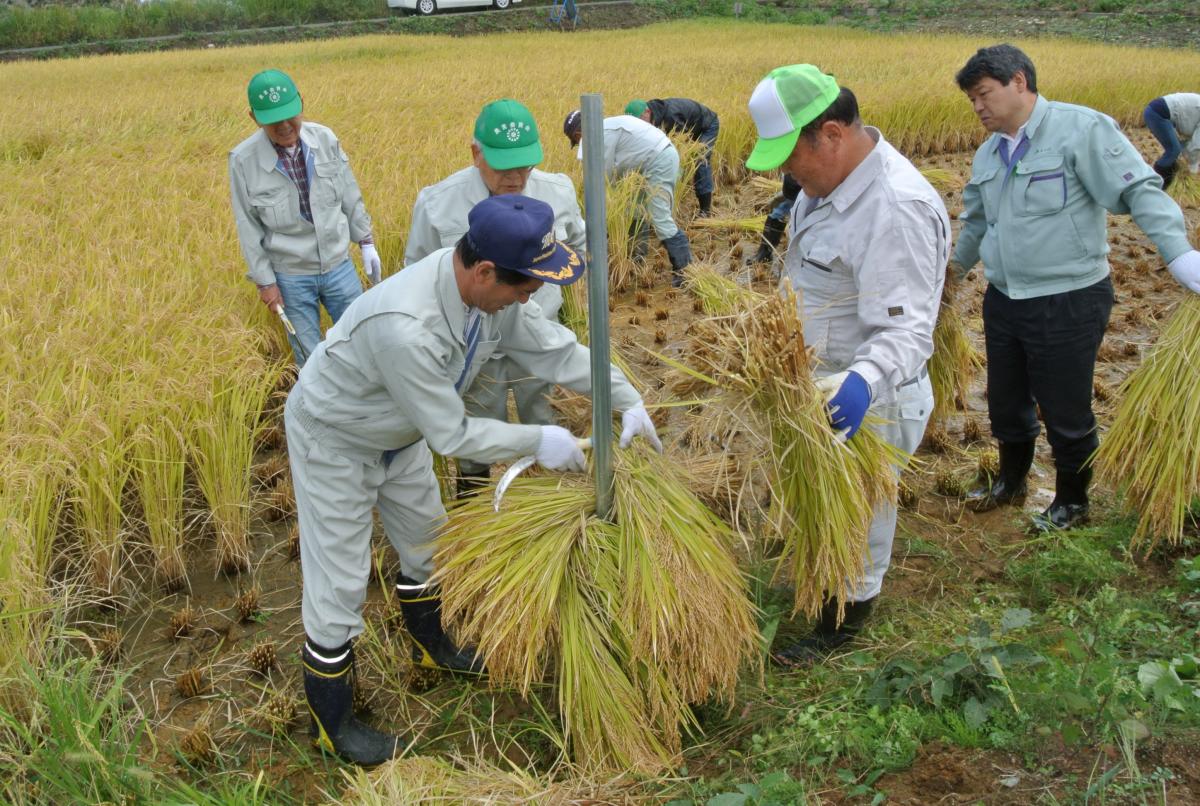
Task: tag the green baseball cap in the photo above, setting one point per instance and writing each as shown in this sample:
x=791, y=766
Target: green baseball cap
x=782, y=104
x=508, y=135
x=635, y=107
x=273, y=97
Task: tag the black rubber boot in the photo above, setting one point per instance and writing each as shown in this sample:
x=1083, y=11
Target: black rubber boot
x=329, y=691
x=1167, y=174
x=1070, y=505
x=772, y=234
x=431, y=647
x=705, y=200
x=826, y=636
x=468, y=484
x=679, y=251
x=1009, y=485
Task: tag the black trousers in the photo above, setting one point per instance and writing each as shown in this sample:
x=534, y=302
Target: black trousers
x=1042, y=352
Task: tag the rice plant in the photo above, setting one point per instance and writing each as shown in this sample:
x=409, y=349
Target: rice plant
x=1152, y=450
x=223, y=454
x=159, y=456
x=955, y=362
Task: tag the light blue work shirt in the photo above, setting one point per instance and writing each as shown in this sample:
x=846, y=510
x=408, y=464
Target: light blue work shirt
x=1038, y=222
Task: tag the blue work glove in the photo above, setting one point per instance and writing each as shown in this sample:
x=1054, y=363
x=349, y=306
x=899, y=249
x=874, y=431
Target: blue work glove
x=848, y=397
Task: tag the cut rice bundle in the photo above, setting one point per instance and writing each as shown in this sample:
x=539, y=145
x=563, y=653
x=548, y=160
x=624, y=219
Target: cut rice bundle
x=1152, y=450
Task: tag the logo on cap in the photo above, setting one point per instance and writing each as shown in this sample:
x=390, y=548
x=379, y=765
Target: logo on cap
x=565, y=273
x=512, y=130
x=272, y=94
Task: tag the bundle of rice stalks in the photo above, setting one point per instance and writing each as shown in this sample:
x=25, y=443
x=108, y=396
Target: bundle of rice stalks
x=749, y=224
x=1152, y=450
x=718, y=294
x=637, y=618
x=823, y=492
x=428, y=779
x=955, y=361
x=690, y=153
x=943, y=180
x=627, y=226
x=1186, y=188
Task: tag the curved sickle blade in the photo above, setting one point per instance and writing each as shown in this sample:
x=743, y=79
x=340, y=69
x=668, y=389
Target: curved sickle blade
x=515, y=469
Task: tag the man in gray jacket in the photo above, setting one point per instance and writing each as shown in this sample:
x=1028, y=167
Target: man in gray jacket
x=297, y=207
x=381, y=391
x=869, y=241
x=504, y=151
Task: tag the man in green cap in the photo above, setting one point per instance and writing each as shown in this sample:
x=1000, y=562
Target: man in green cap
x=297, y=206
x=869, y=244
x=504, y=150
x=695, y=120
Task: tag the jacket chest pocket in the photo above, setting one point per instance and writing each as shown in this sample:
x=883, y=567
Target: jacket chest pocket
x=1041, y=185
x=825, y=279
x=327, y=184
x=273, y=207
x=985, y=185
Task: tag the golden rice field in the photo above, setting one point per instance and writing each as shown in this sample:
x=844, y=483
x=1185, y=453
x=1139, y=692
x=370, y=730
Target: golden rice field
x=136, y=362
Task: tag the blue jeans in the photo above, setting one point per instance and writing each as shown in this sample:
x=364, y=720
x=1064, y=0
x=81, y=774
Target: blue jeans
x=1158, y=121
x=303, y=295
x=703, y=179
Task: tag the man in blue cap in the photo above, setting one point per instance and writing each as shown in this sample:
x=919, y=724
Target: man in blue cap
x=297, y=206
x=868, y=249
x=383, y=389
x=505, y=151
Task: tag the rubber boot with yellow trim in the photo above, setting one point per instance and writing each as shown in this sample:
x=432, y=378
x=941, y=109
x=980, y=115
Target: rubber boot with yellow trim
x=431, y=647
x=329, y=691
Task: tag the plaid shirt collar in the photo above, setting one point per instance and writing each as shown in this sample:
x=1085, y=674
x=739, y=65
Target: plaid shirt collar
x=294, y=165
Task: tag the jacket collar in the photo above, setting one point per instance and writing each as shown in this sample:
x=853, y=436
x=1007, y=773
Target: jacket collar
x=266, y=155
x=1040, y=107
x=863, y=175
x=453, y=307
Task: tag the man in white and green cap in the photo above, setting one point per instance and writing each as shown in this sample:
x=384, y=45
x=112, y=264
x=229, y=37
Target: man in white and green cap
x=297, y=206
x=869, y=243
x=504, y=151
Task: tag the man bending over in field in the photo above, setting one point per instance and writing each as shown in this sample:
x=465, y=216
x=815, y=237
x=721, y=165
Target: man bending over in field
x=385, y=387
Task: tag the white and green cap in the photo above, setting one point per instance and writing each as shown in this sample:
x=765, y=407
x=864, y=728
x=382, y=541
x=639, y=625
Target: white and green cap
x=782, y=104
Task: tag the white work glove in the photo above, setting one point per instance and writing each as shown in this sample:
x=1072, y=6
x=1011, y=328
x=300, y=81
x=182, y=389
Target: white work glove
x=1186, y=269
x=372, y=266
x=559, y=450
x=636, y=422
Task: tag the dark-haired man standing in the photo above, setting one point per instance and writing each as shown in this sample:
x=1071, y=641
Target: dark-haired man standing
x=868, y=249
x=382, y=389
x=1034, y=212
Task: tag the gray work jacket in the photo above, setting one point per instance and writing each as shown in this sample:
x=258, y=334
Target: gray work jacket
x=275, y=238
x=389, y=373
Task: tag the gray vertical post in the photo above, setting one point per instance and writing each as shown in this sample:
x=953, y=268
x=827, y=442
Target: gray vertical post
x=592, y=107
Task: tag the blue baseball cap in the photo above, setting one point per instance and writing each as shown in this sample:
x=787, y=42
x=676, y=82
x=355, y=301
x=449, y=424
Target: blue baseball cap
x=516, y=232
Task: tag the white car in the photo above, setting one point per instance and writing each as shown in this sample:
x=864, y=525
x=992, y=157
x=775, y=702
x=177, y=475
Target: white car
x=430, y=6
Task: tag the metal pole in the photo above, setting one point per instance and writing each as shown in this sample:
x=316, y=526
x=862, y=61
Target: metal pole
x=592, y=107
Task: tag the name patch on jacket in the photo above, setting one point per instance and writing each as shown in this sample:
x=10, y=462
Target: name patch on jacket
x=896, y=310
